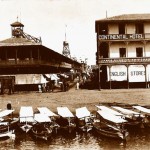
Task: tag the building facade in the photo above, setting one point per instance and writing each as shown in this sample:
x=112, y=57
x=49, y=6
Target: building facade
x=123, y=51
x=24, y=61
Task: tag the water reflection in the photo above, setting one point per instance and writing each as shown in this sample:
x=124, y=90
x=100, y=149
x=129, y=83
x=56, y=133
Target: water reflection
x=139, y=139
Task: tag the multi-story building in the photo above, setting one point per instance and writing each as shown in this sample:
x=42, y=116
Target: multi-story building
x=123, y=51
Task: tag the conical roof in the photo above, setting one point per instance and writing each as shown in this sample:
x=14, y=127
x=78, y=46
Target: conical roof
x=17, y=24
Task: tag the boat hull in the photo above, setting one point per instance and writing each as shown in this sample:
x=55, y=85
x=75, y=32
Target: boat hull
x=41, y=132
x=106, y=131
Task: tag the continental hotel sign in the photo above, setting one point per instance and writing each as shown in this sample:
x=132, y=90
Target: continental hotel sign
x=121, y=36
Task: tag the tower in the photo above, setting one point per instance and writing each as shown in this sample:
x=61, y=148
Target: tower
x=17, y=29
x=66, y=50
x=17, y=32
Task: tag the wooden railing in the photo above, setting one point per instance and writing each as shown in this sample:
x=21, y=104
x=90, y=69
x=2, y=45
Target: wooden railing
x=137, y=60
x=13, y=62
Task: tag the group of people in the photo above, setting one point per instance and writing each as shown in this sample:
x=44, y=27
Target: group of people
x=48, y=87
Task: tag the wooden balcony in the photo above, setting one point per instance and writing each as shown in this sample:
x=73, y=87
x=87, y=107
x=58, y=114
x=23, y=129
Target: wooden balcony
x=32, y=62
x=124, y=61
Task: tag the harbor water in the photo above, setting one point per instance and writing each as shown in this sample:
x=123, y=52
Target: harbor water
x=138, y=140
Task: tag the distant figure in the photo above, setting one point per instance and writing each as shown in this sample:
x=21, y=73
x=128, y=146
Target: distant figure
x=77, y=86
x=40, y=88
x=13, y=86
x=43, y=88
x=9, y=107
x=10, y=88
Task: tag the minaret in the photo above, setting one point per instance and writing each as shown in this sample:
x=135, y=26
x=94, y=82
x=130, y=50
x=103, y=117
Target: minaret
x=66, y=50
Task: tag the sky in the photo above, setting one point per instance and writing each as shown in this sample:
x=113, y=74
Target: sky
x=51, y=19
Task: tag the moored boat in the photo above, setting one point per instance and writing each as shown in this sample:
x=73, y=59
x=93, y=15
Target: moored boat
x=46, y=111
x=144, y=111
x=84, y=119
x=133, y=118
x=110, y=125
x=41, y=129
x=66, y=121
x=26, y=120
x=7, y=124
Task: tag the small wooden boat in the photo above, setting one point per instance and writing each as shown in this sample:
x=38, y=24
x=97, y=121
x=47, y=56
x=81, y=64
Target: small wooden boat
x=110, y=125
x=84, y=119
x=66, y=121
x=7, y=124
x=133, y=118
x=46, y=111
x=26, y=120
x=146, y=112
x=41, y=129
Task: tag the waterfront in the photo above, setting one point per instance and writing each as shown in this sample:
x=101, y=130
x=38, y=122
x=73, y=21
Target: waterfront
x=139, y=139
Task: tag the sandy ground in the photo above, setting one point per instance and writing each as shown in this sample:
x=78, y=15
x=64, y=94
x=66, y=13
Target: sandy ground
x=75, y=98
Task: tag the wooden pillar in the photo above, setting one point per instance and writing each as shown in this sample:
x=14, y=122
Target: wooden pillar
x=145, y=66
x=127, y=43
x=144, y=42
x=110, y=76
x=109, y=44
x=127, y=76
x=99, y=77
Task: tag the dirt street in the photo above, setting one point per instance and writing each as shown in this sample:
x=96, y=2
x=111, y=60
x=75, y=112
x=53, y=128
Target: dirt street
x=75, y=98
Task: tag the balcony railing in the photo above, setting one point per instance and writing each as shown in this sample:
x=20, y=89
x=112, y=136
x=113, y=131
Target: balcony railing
x=137, y=60
x=13, y=62
x=124, y=37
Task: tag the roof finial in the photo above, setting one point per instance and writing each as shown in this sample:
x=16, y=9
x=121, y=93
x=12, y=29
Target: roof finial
x=106, y=13
x=65, y=32
x=17, y=18
x=20, y=16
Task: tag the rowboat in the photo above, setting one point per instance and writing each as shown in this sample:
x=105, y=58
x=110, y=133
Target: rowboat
x=26, y=119
x=41, y=129
x=66, y=120
x=84, y=119
x=134, y=118
x=110, y=125
x=7, y=124
x=146, y=112
x=46, y=111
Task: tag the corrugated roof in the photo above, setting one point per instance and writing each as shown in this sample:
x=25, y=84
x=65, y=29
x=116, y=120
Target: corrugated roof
x=129, y=17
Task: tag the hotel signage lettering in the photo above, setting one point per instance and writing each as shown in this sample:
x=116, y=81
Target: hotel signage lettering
x=120, y=36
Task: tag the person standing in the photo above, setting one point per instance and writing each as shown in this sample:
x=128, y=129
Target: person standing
x=77, y=86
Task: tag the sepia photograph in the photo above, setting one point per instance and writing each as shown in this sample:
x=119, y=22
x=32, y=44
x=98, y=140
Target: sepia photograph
x=74, y=75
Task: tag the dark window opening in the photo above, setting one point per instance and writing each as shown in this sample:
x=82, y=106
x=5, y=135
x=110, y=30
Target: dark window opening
x=103, y=30
x=122, y=52
x=139, y=52
x=139, y=28
x=121, y=28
